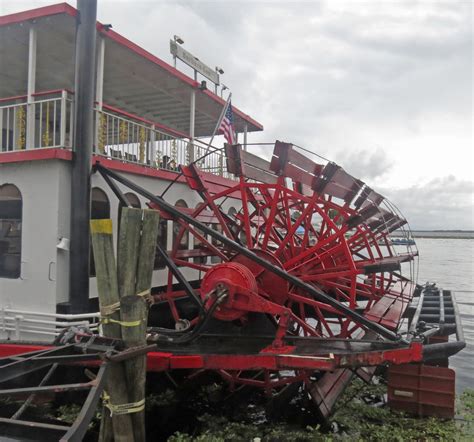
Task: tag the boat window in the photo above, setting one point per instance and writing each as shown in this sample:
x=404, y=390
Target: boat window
x=232, y=212
x=100, y=209
x=161, y=240
x=198, y=245
x=133, y=200
x=215, y=242
x=184, y=241
x=100, y=206
x=11, y=210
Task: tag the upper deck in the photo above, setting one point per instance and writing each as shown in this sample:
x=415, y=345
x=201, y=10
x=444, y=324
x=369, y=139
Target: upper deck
x=146, y=111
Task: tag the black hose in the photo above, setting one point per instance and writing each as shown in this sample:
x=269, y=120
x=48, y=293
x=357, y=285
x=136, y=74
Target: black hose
x=195, y=332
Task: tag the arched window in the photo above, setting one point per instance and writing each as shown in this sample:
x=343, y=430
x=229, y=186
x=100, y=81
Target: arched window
x=11, y=212
x=198, y=245
x=232, y=212
x=161, y=240
x=133, y=200
x=184, y=242
x=100, y=206
x=100, y=209
x=215, y=242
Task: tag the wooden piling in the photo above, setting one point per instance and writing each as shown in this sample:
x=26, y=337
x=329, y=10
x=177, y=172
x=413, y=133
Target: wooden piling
x=123, y=293
x=146, y=255
x=134, y=308
x=136, y=368
x=107, y=286
x=127, y=250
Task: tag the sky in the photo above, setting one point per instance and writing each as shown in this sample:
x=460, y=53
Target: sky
x=383, y=88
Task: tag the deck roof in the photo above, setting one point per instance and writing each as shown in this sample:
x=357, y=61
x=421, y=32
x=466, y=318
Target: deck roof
x=134, y=79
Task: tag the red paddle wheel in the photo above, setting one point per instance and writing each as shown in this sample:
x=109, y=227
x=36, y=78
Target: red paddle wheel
x=315, y=222
x=311, y=222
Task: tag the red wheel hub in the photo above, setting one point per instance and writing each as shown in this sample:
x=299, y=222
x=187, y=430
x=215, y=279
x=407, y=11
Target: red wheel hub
x=269, y=284
x=236, y=279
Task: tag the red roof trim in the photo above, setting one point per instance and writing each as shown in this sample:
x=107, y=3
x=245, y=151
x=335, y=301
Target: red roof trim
x=50, y=92
x=48, y=153
x=36, y=94
x=135, y=169
x=60, y=8
x=16, y=97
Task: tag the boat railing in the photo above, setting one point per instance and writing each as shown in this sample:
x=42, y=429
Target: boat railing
x=46, y=121
x=18, y=323
x=127, y=137
x=43, y=122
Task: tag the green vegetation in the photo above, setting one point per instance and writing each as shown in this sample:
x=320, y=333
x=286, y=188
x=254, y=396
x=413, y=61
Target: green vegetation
x=203, y=416
x=354, y=420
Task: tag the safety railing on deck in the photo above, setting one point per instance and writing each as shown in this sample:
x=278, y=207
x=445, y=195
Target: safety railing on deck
x=46, y=121
x=129, y=138
x=17, y=323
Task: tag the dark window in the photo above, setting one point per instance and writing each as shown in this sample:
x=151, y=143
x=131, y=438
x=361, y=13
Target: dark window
x=100, y=209
x=162, y=241
x=100, y=206
x=233, y=217
x=216, y=243
x=198, y=244
x=133, y=200
x=184, y=242
x=11, y=208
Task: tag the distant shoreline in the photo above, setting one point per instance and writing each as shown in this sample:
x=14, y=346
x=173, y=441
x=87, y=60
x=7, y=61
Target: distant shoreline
x=442, y=237
x=439, y=234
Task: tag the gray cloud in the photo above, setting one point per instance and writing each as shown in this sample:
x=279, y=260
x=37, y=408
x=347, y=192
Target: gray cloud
x=366, y=164
x=442, y=203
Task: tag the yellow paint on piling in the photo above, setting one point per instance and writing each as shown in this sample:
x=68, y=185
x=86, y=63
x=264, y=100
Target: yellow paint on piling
x=101, y=226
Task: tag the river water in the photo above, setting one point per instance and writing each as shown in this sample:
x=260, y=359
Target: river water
x=450, y=263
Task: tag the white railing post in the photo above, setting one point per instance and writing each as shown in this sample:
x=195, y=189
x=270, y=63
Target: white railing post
x=153, y=146
x=62, y=126
x=71, y=124
x=2, y=147
x=18, y=320
x=14, y=127
x=99, y=92
x=30, y=109
x=245, y=136
x=192, y=117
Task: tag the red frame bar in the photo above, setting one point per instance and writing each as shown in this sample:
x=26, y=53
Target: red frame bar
x=162, y=361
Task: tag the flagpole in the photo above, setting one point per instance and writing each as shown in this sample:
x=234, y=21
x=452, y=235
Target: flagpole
x=219, y=121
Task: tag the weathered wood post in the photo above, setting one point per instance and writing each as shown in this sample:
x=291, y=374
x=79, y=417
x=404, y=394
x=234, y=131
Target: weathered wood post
x=123, y=293
x=107, y=286
x=136, y=308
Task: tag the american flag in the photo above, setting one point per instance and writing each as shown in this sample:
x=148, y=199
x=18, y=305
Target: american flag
x=227, y=125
